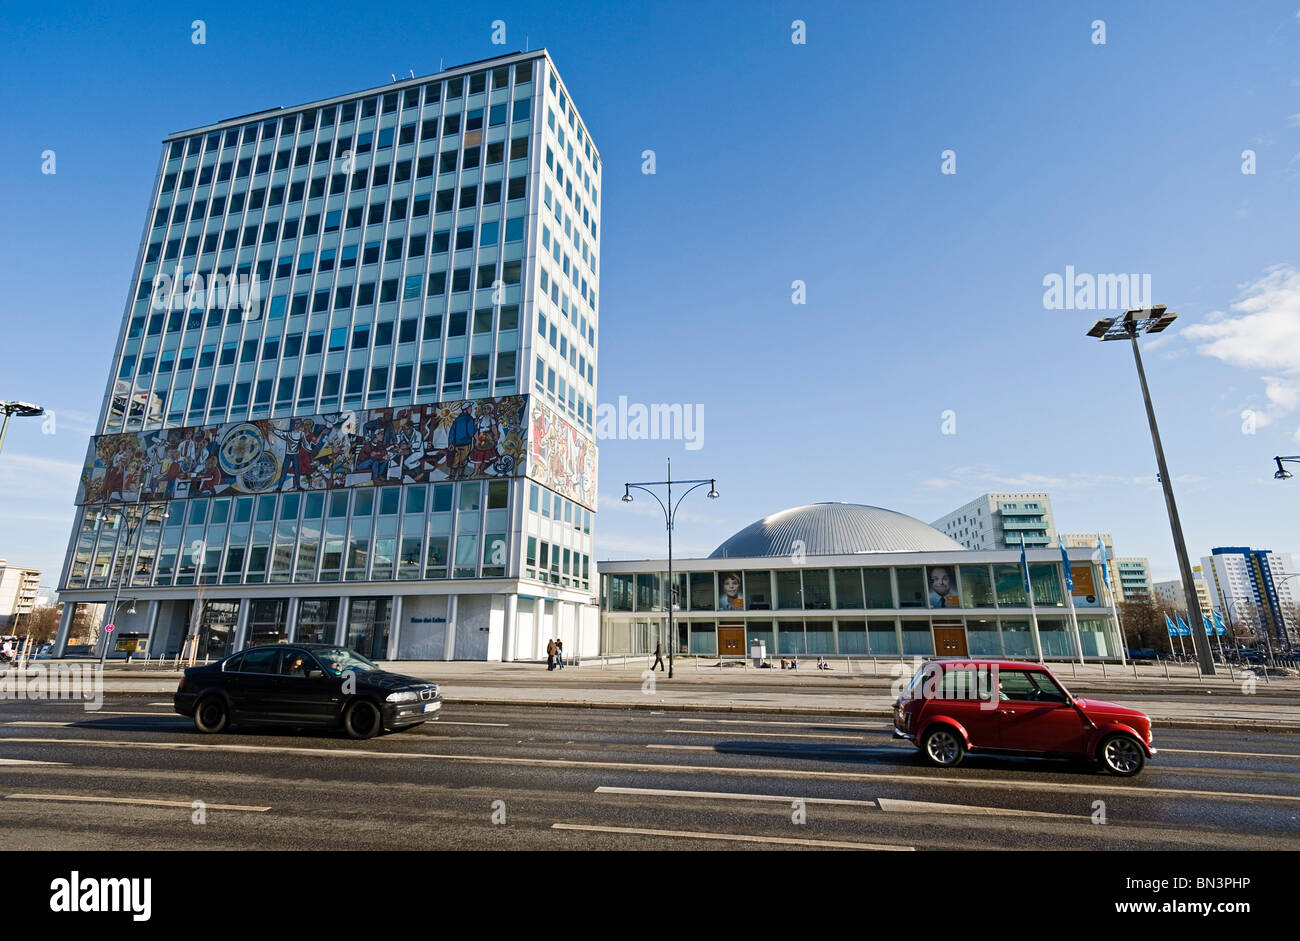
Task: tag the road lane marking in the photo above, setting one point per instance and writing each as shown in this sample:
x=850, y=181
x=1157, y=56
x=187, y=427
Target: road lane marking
x=89, y=716
x=892, y=805
x=809, y=724
x=684, y=747
x=1235, y=754
x=1097, y=787
x=7, y=762
x=734, y=837
x=727, y=795
x=498, y=725
x=822, y=738
x=89, y=799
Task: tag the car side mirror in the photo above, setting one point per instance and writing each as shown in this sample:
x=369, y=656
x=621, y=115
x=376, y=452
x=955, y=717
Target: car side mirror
x=315, y=674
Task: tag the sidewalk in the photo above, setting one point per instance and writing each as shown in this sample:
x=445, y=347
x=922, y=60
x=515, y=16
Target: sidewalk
x=1183, y=701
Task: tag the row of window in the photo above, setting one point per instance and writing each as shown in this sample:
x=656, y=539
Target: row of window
x=889, y=637
x=325, y=151
x=291, y=193
x=449, y=90
x=190, y=541
x=975, y=586
x=397, y=210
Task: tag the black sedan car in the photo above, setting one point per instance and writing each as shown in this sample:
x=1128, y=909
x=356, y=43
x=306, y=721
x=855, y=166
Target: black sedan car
x=304, y=685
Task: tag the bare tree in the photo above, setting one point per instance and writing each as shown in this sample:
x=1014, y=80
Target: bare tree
x=1144, y=623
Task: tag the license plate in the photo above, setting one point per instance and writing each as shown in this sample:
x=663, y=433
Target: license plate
x=432, y=706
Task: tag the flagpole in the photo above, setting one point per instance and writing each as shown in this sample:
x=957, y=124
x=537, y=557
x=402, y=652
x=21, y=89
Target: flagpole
x=1074, y=620
x=1033, y=612
x=1069, y=597
x=1114, y=607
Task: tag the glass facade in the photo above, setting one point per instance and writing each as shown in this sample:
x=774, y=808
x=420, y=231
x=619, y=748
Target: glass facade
x=987, y=607
x=398, y=249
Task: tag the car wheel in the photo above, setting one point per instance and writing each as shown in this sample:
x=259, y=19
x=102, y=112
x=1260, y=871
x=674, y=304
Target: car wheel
x=211, y=715
x=942, y=746
x=1122, y=755
x=362, y=719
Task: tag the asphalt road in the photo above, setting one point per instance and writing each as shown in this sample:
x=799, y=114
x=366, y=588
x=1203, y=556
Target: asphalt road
x=525, y=777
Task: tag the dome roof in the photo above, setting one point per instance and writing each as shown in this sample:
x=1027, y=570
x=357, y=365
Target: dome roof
x=834, y=529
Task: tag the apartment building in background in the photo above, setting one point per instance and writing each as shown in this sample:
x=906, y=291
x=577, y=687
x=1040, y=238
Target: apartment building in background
x=1000, y=520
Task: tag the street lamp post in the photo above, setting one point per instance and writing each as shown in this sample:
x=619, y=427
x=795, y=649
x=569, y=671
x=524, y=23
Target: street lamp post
x=126, y=569
x=22, y=410
x=670, y=516
x=1282, y=612
x=1154, y=320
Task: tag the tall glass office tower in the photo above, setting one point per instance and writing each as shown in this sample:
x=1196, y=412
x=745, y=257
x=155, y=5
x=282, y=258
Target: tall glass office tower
x=352, y=397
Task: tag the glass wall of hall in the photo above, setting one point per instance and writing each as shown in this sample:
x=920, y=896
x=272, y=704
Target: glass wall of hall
x=988, y=585
x=868, y=637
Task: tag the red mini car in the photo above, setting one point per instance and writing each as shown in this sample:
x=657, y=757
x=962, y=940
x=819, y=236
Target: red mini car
x=955, y=706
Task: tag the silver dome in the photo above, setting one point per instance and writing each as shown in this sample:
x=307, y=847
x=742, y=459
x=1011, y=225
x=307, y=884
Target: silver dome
x=834, y=529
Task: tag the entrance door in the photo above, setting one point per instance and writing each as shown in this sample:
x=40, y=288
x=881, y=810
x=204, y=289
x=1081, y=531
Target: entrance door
x=731, y=640
x=950, y=641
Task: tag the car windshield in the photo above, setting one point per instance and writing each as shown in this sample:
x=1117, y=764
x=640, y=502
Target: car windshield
x=339, y=660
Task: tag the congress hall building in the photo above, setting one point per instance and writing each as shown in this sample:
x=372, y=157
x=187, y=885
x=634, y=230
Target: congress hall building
x=847, y=580
x=352, y=395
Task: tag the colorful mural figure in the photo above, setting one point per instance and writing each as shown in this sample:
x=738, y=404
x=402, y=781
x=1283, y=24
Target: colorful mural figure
x=561, y=458
x=471, y=439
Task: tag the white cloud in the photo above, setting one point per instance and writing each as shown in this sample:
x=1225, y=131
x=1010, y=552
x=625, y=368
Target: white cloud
x=1293, y=120
x=1261, y=333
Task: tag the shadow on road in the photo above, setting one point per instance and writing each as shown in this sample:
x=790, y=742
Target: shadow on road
x=905, y=756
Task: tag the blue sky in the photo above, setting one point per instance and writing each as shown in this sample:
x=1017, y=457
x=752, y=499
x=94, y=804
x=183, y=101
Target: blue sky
x=775, y=162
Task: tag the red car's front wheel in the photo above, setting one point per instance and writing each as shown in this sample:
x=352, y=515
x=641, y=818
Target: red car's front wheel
x=1122, y=755
x=943, y=747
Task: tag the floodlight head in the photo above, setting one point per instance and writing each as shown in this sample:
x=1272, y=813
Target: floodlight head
x=627, y=494
x=21, y=409
x=713, y=490
x=1100, y=328
x=1163, y=321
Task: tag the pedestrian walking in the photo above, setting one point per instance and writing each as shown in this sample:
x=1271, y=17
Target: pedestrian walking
x=559, y=654
x=659, y=657
x=550, y=655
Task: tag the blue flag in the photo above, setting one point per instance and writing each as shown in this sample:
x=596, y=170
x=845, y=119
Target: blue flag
x=1024, y=565
x=1069, y=579
x=1169, y=627
x=1219, y=627
x=1105, y=569
x=1183, y=629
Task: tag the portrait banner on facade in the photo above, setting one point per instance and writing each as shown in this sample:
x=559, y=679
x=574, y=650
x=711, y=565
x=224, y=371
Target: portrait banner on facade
x=472, y=439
